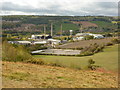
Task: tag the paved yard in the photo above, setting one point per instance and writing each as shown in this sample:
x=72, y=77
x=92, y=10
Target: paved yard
x=58, y=51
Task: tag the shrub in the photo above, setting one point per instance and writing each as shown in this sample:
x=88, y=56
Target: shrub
x=88, y=37
x=34, y=47
x=90, y=61
x=11, y=53
x=92, y=49
x=87, y=53
x=36, y=61
x=79, y=48
x=116, y=41
x=91, y=64
x=57, y=64
x=109, y=44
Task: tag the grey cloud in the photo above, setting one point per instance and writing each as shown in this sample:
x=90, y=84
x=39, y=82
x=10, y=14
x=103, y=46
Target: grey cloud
x=102, y=8
x=108, y=5
x=106, y=8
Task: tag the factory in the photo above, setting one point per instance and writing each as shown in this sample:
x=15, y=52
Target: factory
x=42, y=36
x=81, y=36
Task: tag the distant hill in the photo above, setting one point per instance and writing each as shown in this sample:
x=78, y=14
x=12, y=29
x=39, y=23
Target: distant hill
x=89, y=23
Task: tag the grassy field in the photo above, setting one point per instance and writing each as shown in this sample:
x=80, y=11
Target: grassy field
x=104, y=24
x=66, y=26
x=23, y=75
x=108, y=59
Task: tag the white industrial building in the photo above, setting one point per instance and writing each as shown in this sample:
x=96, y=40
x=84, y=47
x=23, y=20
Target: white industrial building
x=40, y=42
x=80, y=36
x=41, y=36
x=20, y=42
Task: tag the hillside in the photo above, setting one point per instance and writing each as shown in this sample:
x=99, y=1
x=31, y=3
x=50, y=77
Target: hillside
x=85, y=43
x=33, y=23
x=21, y=75
x=86, y=24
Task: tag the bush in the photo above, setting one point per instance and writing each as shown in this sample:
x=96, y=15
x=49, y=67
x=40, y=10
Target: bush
x=109, y=44
x=116, y=41
x=79, y=48
x=11, y=53
x=92, y=49
x=91, y=64
x=34, y=47
x=87, y=53
x=88, y=37
x=36, y=61
x=55, y=64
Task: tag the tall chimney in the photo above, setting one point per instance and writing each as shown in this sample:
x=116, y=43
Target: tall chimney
x=44, y=30
x=81, y=28
x=51, y=29
x=61, y=29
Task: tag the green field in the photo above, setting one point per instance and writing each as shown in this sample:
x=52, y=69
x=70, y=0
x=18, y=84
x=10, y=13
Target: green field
x=108, y=59
x=104, y=24
x=66, y=26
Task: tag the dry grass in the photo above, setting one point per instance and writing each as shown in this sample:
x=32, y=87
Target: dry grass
x=85, y=43
x=22, y=75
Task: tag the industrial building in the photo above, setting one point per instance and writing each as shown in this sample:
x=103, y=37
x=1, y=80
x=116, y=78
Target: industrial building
x=80, y=36
x=42, y=36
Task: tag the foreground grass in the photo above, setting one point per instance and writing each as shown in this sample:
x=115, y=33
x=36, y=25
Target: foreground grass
x=21, y=75
x=108, y=59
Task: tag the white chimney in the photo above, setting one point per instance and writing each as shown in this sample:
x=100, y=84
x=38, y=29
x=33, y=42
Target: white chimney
x=51, y=29
x=61, y=29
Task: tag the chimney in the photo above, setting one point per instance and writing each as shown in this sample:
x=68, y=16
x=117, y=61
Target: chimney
x=44, y=30
x=81, y=28
x=61, y=29
x=51, y=29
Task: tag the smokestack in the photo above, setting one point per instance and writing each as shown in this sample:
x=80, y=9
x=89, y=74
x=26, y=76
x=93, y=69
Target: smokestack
x=44, y=30
x=81, y=29
x=51, y=29
x=61, y=29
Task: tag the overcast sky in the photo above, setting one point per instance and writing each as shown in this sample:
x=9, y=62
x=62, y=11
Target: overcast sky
x=59, y=7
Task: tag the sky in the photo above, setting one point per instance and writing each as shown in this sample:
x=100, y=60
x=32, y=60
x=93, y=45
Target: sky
x=59, y=7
